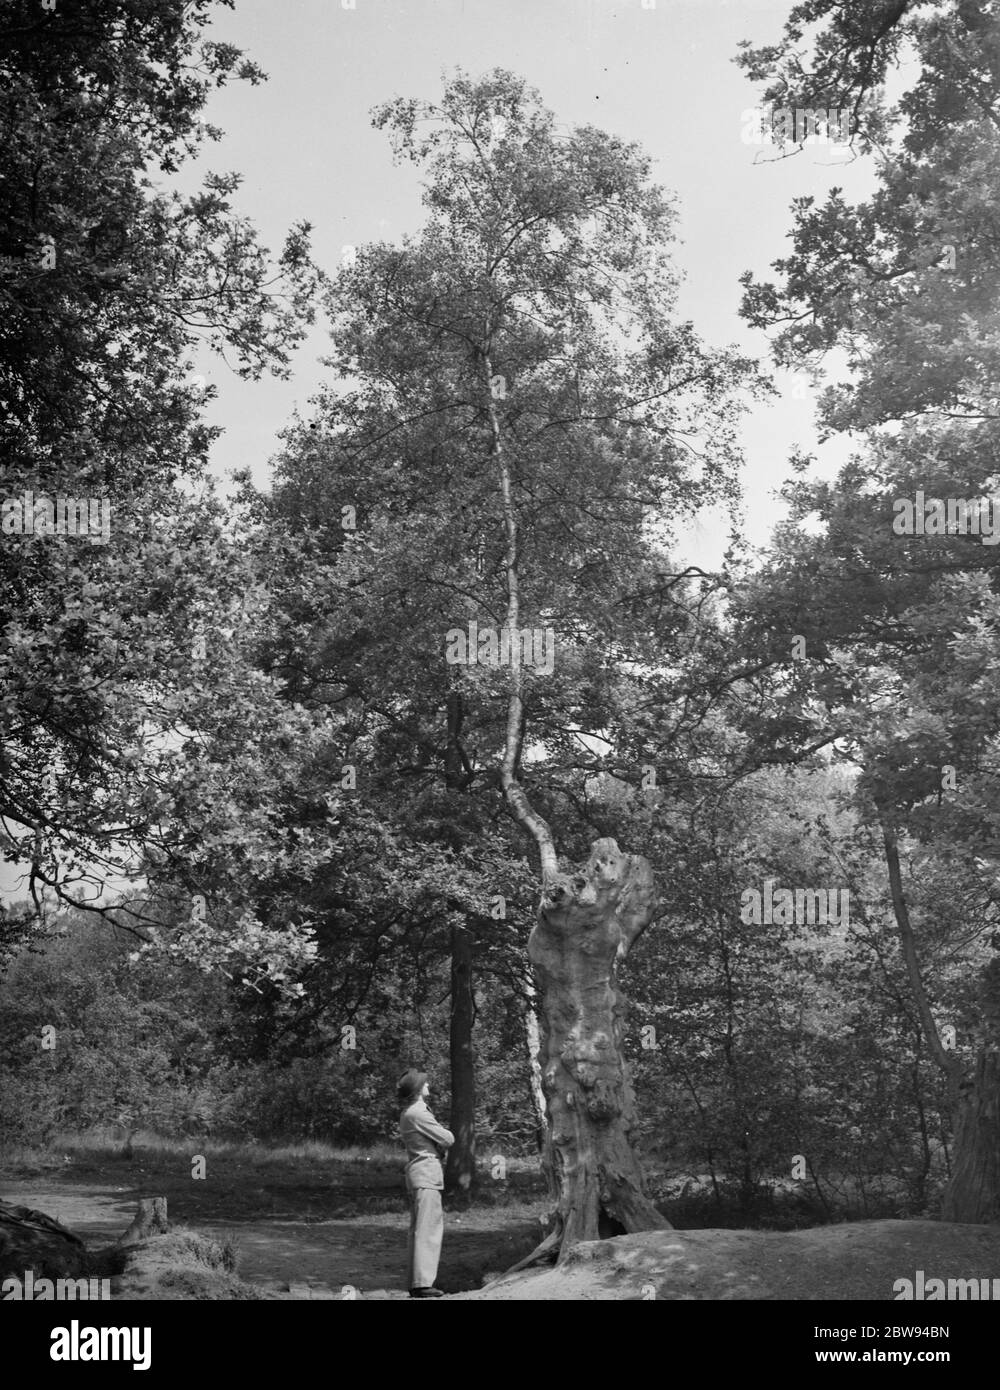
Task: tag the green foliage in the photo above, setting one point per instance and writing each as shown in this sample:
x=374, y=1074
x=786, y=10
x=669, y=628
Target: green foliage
x=786, y=1055
x=145, y=1045
x=288, y=955
x=100, y=691
x=132, y=1051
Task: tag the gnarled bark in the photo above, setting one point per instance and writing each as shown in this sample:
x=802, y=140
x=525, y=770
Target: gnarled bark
x=587, y=923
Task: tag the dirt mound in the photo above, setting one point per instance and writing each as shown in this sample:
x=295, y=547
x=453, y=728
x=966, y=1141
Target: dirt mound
x=860, y=1260
x=181, y=1265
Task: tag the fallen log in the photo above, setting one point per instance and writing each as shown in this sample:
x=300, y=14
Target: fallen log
x=30, y=1239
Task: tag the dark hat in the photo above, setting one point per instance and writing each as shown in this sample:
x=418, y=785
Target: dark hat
x=411, y=1083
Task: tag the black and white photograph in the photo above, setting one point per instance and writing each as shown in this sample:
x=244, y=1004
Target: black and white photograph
x=499, y=670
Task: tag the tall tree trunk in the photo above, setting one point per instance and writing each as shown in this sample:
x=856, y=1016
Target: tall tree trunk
x=973, y=1194
x=948, y=1063
x=460, y=1168
x=586, y=925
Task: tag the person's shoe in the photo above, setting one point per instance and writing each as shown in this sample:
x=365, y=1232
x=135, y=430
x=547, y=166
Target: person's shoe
x=427, y=1293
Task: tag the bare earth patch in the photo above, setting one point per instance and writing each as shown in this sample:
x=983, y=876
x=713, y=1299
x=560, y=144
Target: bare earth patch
x=860, y=1260
x=284, y=1258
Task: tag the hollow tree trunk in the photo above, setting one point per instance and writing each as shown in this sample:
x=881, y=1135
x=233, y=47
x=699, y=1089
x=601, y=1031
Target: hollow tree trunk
x=460, y=1168
x=973, y=1194
x=586, y=925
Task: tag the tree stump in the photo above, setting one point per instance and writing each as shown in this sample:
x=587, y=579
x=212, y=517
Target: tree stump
x=150, y=1220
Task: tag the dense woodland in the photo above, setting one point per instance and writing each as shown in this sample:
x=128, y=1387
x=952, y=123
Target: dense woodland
x=336, y=840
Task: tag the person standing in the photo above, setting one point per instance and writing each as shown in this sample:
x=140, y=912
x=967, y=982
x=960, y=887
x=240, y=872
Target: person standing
x=426, y=1144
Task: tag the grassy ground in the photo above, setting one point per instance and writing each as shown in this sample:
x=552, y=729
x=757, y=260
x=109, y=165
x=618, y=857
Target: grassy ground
x=308, y=1214
x=301, y=1213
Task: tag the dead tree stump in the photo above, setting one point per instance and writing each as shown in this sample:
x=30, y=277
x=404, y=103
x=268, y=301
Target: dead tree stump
x=150, y=1220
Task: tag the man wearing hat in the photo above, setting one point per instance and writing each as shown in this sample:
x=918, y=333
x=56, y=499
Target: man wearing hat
x=426, y=1143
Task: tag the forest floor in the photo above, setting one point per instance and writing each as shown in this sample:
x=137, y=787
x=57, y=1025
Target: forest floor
x=311, y=1223
x=304, y=1226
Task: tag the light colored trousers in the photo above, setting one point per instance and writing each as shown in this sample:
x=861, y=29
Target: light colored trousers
x=423, y=1248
